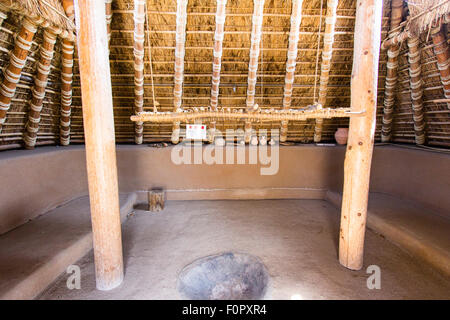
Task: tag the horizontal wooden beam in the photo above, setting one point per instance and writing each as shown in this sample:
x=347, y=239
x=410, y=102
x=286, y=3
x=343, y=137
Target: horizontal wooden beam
x=267, y=115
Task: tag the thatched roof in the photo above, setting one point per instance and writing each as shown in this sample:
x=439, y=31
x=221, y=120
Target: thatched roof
x=50, y=10
x=234, y=71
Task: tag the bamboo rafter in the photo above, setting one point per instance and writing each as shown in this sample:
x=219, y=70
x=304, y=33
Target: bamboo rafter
x=139, y=36
x=310, y=112
x=415, y=69
x=67, y=50
x=40, y=82
x=180, y=39
x=327, y=53
x=217, y=58
x=108, y=14
x=16, y=63
x=3, y=15
x=257, y=21
x=44, y=13
x=391, y=76
x=442, y=52
x=296, y=20
x=66, y=91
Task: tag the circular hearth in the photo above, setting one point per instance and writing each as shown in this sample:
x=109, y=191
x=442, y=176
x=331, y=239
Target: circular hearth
x=227, y=276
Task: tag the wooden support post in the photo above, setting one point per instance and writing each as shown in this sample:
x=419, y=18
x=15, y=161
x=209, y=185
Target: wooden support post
x=296, y=20
x=155, y=200
x=358, y=156
x=327, y=53
x=139, y=36
x=180, y=39
x=40, y=83
x=391, y=76
x=257, y=21
x=16, y=63
x=442, y=52
x=415, y=81
x=98, y=123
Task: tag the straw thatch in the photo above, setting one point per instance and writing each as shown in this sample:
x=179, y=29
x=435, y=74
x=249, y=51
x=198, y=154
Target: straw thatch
x=50, y=10
x=424, y=13
x=160, y=33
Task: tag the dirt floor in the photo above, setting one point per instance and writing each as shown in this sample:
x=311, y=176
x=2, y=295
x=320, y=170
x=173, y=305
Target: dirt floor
x=297, y=240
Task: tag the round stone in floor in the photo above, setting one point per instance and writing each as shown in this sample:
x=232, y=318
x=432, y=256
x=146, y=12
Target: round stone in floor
x=227, y=276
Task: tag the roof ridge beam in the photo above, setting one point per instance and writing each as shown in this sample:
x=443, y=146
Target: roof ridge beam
x=180, y=38
x=294, y=35
x=327, y=53
x=257, y=21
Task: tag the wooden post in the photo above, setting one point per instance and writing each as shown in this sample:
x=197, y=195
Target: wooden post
x=358, y=156
x=100, y=142
x=391, y=73
x=155, y=200
x=296, y=20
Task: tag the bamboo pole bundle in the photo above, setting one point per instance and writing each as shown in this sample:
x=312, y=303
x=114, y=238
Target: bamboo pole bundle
x=416, y=89
x=40, y=82
x=66, y=91
x=41, y=15
x=358, y=156
x=391, y=77
x=139, y=36
x=66, y=80
x=69, y=9
x=327, y=52
x=16, y=63
x=296, y=20
x=266, y=115
x=3, y=11
x=257, y=20
x=217, y=51
x=180, y=39
x=441, y=50
x=217, y=59
x=108, y=14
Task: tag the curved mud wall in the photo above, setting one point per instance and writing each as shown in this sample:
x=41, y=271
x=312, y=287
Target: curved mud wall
x=34, y=182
